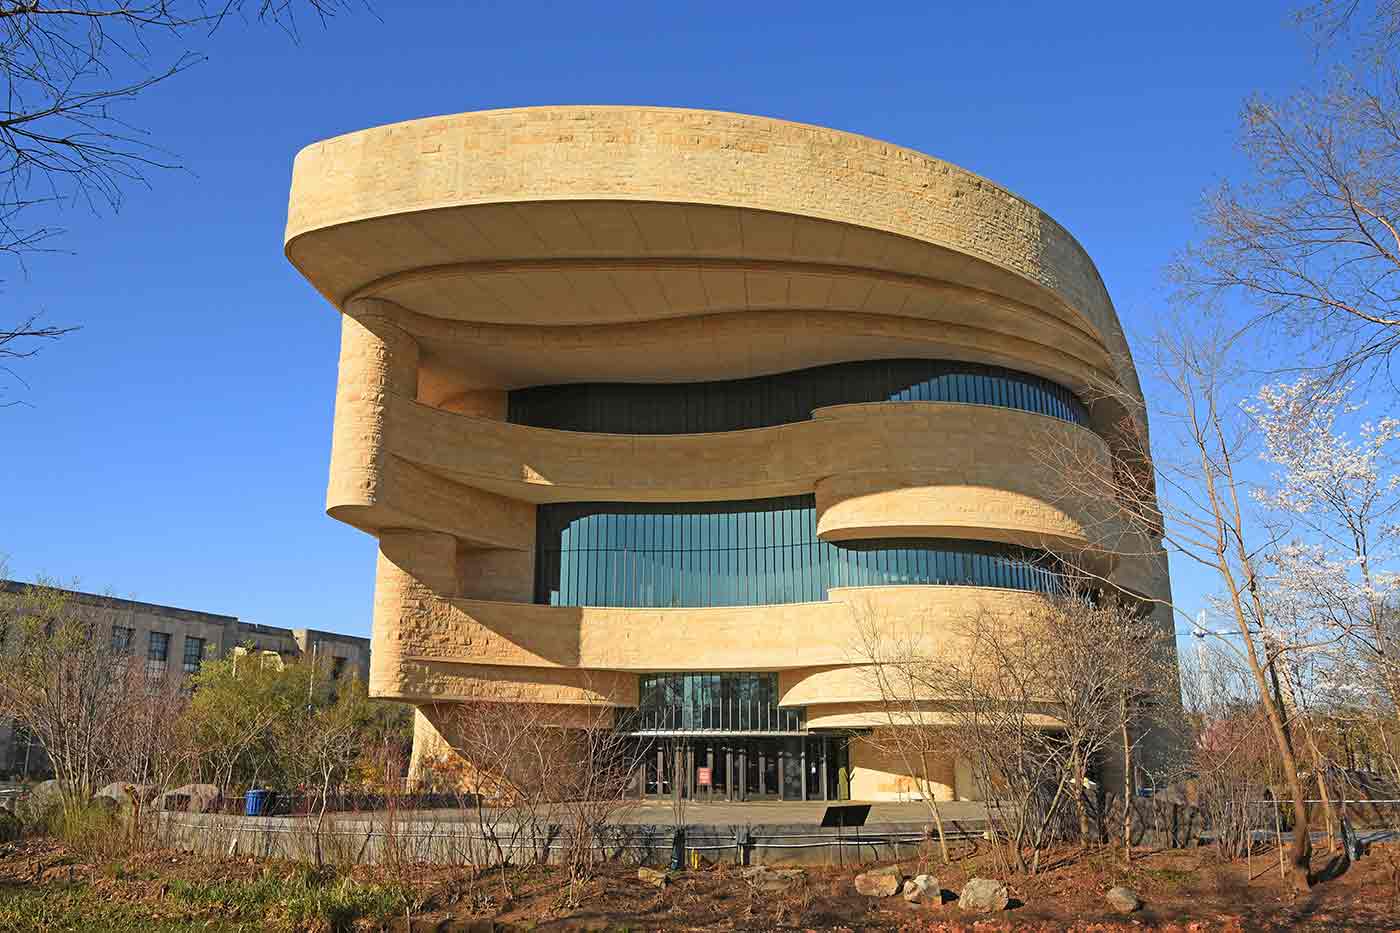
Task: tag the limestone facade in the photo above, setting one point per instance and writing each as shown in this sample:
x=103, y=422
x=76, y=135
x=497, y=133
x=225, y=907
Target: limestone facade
x=474, y=255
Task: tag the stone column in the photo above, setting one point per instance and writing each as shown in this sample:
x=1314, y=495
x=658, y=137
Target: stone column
x=415, y=568
x=378, y=359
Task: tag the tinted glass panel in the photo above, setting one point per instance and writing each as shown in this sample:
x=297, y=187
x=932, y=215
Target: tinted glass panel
x=740, y=702
x=701, y=407
x=755, y=552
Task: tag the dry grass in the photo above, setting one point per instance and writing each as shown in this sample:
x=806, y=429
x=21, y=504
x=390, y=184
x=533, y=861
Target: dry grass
x=48, y=886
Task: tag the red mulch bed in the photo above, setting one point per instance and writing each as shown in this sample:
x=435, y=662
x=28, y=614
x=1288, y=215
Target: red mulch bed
x=1181, y=890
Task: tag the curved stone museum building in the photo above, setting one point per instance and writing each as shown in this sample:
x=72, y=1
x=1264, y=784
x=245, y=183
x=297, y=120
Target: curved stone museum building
x=660, y=409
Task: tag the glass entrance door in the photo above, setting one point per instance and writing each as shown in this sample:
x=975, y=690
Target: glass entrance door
x=768, y=768
x=792, y=776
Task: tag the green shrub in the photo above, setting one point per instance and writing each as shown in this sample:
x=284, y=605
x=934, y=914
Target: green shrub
x=92, y=830
x=80, y=909
x=293, y=899
x=298, y=898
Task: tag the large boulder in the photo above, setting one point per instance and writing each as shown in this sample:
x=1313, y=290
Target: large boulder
x=776, y=880
x=1124, y=900
x=121, y=796
x=654, y=877
x=41, y=800
x=922, y=888
x=193, y=798
x=880, y=882
x=984, y=896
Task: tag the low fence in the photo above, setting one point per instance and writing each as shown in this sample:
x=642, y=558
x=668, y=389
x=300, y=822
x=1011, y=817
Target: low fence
x=377, y=839
x=304, y=803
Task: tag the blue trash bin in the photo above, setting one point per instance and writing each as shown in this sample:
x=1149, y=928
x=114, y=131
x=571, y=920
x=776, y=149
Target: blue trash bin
x=255, y=802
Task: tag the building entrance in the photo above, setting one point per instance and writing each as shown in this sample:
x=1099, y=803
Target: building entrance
x=739, y=768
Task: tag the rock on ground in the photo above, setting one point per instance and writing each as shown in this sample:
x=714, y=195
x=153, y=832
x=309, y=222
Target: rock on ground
x=196, y=798
x=880, y=882
x=41, y=798
x=984, y=896
x=122, y=797
x=777, y=880
x=1124, y=900
x=654, y=877
x=922, y=887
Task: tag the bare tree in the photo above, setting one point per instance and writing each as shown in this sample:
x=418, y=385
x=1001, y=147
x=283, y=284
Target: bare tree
x=24, y=339
x=321, y=745
x=527, y=769
x=1033, y=704
x=1311, y=237
x=65, y=683
x=896, y=664
x=1232, y=753
x=1188, y=493
x=973, y=696
x=1331, y=20
x=1108, y=674
x=68, y=69
x=591, y=780
x=504, y=747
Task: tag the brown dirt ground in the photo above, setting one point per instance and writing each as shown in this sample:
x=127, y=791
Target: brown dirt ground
x=1186, y=891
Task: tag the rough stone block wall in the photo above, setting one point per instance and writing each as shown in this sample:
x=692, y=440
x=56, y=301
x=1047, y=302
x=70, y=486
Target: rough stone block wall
x=478, y=253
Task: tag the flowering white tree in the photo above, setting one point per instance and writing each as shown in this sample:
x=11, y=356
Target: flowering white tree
x=1334, y=587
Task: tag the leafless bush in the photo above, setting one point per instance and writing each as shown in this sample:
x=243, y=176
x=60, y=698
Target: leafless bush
x=1234, y=762
x=595, y=771
x=1031, y=703
x=532, y=776
x=97, y=714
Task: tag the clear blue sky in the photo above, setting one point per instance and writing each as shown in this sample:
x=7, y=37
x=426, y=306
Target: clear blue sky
x=175, y=449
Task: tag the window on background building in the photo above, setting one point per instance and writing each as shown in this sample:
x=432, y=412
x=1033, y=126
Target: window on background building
x=158, y=654
x=194, y=653
x=122, y=637
x=337, y=668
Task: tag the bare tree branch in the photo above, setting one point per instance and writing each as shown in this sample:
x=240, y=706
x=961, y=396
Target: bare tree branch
x=68, y=70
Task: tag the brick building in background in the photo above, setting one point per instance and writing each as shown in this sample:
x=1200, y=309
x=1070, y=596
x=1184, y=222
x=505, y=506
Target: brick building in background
x=174, y=641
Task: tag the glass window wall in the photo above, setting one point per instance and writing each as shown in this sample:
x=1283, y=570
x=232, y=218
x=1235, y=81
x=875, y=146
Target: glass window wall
x=700, y=702
x=756, y=552
x=732, y=405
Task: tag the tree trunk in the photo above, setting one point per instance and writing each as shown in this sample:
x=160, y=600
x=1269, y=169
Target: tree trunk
x=1329, y=813
x=1300, y=849
x=1127, y=786
x=932, y=806
x=1080, y=777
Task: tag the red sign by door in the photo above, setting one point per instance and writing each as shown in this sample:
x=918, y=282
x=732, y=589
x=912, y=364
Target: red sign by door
x=702, y=777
